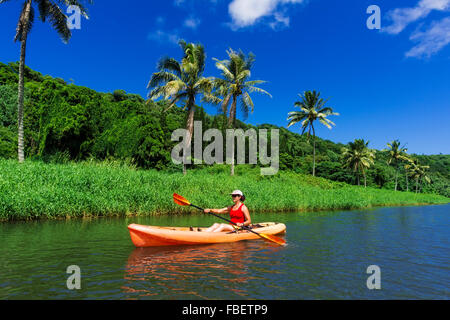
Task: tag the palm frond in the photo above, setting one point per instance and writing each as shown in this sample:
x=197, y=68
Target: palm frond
x=162, y=77
x=206, y=85
x=247, y=104
x=170, y=65
x=77, y=3
x=254, y=82
x=59, y=21
x=173, y=88
x=326, y=123
x=156, y=93
x=176, y=99
x=295, y=117
x=212, y=99
x=225, y=72
x=43, y=6
x=242, y=76
x=259, y=90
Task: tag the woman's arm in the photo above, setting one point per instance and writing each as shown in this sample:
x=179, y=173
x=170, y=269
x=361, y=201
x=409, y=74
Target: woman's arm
x=218, y=211
x=248, y=220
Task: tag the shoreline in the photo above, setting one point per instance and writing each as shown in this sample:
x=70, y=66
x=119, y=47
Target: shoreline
x=195, y=212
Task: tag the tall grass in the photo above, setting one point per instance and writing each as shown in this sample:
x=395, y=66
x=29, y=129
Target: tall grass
x=38, y=190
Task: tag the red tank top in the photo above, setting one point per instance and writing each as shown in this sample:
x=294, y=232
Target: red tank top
x=237, y=216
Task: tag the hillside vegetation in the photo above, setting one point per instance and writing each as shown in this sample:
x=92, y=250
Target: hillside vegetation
x=65, y=122
x=37, y=190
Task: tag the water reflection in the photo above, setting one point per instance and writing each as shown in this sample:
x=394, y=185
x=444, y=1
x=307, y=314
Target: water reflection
x=326, y=258
x=195, y=271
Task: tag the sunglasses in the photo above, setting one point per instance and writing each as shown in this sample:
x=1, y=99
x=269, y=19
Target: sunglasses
x=235, y=195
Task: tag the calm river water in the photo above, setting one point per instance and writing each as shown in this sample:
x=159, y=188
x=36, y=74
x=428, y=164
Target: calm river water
x=327, y=257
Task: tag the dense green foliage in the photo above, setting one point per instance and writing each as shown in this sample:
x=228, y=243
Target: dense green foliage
x=35, y=190
x=65, y=122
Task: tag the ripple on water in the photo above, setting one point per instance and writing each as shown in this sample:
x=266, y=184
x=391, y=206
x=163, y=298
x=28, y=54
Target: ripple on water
x=326, y=258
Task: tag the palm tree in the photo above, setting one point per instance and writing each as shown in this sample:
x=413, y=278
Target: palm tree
x=234, y=86
x=417, y=172
x=47, y=10
x=407, y=160
x=312, y=108
x=358, y=157
x=396, y=154
x=182, y=81
x=421, y=175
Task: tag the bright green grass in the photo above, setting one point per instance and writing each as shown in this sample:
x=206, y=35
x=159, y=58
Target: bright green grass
x=37, y=190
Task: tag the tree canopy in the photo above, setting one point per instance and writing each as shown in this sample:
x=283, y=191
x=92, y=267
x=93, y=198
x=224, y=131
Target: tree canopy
x=66, y=122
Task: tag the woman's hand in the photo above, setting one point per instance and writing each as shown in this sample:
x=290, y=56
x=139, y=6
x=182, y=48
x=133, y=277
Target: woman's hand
x=207, y=210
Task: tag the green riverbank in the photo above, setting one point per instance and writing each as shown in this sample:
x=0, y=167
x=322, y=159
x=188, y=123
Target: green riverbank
x=36, y=190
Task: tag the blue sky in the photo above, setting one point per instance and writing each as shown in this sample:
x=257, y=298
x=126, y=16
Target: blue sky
x=387, y=84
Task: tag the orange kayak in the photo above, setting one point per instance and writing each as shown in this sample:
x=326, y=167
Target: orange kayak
x=151, y=236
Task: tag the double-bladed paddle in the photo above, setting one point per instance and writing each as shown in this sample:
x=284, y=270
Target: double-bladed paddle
x=180, y=200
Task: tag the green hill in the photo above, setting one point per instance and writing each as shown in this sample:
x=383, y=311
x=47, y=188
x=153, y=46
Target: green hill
x=65, y=122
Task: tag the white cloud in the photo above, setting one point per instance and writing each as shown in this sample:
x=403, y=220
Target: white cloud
x=280, y=19
x=162, y=36
x=172, y=36
x=178, y=2
x=192, y=23
x=245, y=13
x=431, y=40
x=402, y=17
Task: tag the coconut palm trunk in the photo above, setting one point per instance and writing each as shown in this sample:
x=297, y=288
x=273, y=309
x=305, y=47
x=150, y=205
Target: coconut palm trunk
x=417, y=185
x=314, y=151
x=20, y=100
x=421, y=185
x=190, y=128
x=232, y=116
x=396, y=179
x=21, y=89
x=365, y=179
x=407, y=182
x=231, y=121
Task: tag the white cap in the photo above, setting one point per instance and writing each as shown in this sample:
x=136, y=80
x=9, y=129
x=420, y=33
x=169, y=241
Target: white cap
x=238, y=192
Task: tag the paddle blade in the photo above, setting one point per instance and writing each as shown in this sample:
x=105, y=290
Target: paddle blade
x=180, y=200
x=275, y=239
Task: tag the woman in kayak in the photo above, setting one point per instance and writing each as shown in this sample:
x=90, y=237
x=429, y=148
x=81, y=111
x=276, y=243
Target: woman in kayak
x=239, y=214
